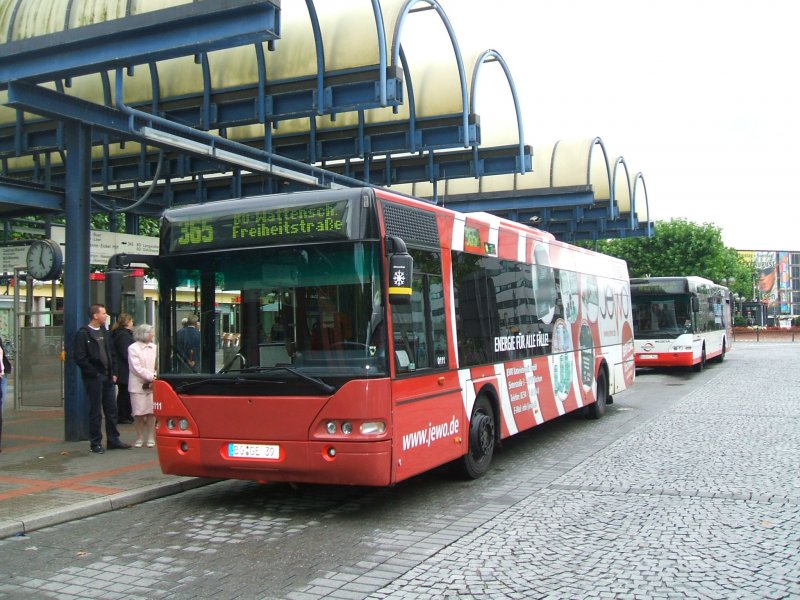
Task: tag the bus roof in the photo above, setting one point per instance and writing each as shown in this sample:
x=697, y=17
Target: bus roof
x=671, y=285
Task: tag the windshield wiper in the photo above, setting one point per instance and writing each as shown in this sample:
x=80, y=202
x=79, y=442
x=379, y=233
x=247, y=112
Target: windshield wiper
x=328, y=389
x=190, y=384
x=239, y=379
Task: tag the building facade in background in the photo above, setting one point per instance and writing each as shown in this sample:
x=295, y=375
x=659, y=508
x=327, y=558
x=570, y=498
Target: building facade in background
x=777, y=285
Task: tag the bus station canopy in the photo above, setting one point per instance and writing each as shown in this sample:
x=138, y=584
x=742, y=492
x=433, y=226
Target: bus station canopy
x=197, y=101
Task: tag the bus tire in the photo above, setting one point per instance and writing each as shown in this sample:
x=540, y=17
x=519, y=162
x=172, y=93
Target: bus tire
x=702, y=364
x=724, y=350
x=482, y=440
x=598, y=408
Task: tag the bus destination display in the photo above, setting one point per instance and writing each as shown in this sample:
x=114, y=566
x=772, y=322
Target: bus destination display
x=262, y=227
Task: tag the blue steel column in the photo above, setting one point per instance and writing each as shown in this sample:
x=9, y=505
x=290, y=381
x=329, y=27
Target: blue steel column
x=76, y=272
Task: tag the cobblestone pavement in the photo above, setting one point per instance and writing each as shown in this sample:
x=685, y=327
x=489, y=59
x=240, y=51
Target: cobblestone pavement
x=701, y=502
x=688, y=488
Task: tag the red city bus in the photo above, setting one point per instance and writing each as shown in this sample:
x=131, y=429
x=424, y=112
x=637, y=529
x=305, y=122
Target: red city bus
x=680, y=321
x=374, y=337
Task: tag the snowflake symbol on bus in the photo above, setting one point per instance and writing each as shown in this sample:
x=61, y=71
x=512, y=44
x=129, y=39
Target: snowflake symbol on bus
x=399, y=278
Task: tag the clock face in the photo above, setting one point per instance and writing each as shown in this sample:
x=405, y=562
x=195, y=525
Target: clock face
x=44, y=260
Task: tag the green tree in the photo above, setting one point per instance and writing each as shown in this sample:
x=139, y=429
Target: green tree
x=681, y=248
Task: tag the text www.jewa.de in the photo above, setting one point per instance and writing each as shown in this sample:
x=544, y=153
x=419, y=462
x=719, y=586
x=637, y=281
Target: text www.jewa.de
x=425, y=437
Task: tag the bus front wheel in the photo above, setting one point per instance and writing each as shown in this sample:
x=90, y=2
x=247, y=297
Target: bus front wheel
x=482, y=438
x=702, y=364
x=721, y=357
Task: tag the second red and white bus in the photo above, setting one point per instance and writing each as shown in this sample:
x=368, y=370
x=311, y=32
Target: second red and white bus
x=377, y=336
x=680, y=321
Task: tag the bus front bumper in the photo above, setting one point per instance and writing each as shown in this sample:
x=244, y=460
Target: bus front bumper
x=334, y=462
x=664, y=359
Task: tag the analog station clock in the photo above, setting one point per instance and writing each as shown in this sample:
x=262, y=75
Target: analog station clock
x=44, y=260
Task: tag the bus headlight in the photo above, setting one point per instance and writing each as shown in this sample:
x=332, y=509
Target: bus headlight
x=373, y=427
x=330, y=427
x=347, y=428
x=170, y=423
x=183, y=424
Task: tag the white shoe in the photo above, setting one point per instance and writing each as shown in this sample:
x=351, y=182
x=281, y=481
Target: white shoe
x=151, y=443
x=138, y=443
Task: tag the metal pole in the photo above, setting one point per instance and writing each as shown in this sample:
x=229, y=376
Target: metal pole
x=76, y=273
x=15, y=312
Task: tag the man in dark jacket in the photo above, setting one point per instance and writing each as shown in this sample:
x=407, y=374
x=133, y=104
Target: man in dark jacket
x=188, y=346
x=95, y=356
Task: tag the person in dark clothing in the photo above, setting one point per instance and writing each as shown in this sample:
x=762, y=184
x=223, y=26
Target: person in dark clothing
x=94, y=354
x=122, y=337
x=5, y=370
x=188, y=346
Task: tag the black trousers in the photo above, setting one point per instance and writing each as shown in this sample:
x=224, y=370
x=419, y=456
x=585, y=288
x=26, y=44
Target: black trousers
x=102, y=395
x=124, y=410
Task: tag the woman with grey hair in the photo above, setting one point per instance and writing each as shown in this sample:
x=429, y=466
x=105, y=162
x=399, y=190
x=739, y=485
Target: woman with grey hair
x=142, y=364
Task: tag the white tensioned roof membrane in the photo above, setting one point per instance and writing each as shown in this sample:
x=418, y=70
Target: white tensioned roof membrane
x=350, y=40
x=582, y=162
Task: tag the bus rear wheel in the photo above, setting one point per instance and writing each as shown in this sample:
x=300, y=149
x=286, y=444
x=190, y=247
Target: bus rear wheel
x=598, y=408
x=482, y=439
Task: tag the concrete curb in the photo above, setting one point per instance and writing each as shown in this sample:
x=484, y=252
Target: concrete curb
x=98, y=506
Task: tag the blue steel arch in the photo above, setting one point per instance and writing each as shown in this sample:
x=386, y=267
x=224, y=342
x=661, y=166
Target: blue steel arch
x=320, y=53
x=592, y=143
x=639, y=179
x=320, y=50
x=494, y=55
x=612, y=209
x=434, y=4
x=12, y=20
x=380, y=27
x=619, y=164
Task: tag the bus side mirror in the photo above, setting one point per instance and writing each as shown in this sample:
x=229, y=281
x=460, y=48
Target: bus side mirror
x=114, y=291
x=401, y=271
x=695, y=303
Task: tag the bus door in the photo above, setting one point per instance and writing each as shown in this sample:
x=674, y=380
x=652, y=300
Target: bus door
x=429, y=425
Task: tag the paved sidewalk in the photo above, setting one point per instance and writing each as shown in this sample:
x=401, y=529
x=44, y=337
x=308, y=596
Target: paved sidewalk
x=45, y=480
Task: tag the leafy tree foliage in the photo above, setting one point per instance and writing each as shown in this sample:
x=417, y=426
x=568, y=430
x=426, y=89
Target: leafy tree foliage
x=680, y=248
x=100, y=221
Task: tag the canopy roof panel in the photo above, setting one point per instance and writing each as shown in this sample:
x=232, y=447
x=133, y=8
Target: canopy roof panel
x=583, y=194
x=383, y=91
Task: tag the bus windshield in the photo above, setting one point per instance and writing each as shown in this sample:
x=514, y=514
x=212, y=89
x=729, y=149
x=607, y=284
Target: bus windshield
x=313, y=310
x=661, y=316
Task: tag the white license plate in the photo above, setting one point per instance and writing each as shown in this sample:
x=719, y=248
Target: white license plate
x=648, y=356
x=265, y=451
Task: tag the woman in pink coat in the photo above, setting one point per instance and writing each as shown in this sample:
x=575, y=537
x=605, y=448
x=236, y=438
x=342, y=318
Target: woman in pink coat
x=142, y=364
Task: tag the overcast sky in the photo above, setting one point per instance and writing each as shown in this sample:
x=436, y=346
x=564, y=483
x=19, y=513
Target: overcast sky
x=700, y=96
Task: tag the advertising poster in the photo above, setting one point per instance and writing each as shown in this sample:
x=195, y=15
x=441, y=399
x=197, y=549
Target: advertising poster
x=784, y=283
x=766, y=265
